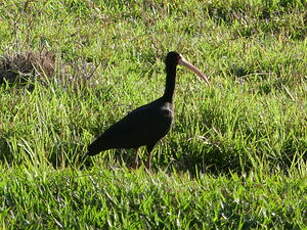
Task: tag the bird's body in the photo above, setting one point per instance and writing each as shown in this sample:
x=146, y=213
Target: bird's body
x=150, y=122
x=146, y=125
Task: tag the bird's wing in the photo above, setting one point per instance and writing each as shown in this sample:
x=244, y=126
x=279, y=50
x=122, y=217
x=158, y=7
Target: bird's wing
x=140, y=127
x=143, y=126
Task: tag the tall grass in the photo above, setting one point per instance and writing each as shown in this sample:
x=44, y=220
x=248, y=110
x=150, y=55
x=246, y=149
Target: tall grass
x=247, y=131
x=120, y=199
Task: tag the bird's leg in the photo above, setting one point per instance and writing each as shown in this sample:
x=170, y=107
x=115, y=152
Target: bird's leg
x=149, y=149
x=135, y=164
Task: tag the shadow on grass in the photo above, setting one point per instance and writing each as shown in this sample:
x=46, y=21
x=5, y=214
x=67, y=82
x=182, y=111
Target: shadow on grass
x=211, y=160
x=6, y=155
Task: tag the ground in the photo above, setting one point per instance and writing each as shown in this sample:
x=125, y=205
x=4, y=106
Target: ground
x=235, y=157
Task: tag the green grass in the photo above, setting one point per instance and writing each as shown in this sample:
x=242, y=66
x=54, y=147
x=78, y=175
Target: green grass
x=236, y=155
x=102, y=199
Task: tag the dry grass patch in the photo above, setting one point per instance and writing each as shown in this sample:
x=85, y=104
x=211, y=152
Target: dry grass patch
x=21, y=67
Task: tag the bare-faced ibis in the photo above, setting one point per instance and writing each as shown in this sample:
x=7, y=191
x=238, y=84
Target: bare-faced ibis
x=147, y=124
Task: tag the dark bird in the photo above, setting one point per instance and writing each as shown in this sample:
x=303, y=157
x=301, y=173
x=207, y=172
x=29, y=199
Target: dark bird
x=147, y=124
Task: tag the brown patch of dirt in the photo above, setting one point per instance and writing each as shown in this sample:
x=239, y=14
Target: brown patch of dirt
x=21, y=67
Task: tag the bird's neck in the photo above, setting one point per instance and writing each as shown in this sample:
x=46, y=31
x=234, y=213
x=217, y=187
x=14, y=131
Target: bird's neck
x=170, y=84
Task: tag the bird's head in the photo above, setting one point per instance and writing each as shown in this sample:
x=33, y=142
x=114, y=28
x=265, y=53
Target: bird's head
x=173, y=59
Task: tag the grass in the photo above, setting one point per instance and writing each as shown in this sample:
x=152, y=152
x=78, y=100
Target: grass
x=235, y=157
x=102, y=199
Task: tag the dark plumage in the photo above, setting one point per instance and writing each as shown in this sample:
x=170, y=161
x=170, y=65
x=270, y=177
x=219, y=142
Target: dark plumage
x=147, y=124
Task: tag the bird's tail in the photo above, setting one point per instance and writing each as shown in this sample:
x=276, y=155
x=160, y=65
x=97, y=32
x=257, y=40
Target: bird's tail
x=96, y=147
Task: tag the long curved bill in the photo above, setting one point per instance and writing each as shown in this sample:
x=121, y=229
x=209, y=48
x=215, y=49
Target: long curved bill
x=187, y=64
